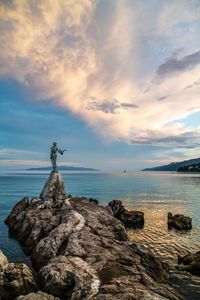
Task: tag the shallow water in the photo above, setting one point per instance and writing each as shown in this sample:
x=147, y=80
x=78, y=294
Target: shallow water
x=154, y=193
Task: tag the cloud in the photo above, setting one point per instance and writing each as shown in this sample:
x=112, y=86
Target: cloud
x=110, y=107
x=29, y=163
x=128, y=105
x=195, y=108
x=162, y=98
x=95, y=59
x=188, y=140
x=10, y=157
x=178, y=65
x=20, y=162
x=10, y=152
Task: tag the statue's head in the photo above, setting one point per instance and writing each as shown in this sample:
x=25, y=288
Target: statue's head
x=54, y=143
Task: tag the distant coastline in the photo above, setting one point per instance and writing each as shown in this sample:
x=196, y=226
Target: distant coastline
x=63, y=168
x=175, y=166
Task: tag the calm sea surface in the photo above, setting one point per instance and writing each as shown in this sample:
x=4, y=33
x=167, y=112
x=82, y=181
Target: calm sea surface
x=154, y=193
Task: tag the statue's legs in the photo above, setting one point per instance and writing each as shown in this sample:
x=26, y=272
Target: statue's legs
x=53, y=162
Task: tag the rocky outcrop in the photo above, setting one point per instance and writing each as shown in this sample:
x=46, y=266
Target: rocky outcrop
x=54, y=188
x=81, y=251
x=131, y=219
x=37, y=296
x=18, y=214
x=15, y=279
x=179, y=222
x=190, y=263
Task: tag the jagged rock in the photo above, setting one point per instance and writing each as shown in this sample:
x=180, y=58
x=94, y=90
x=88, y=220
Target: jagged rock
x=190, y=262
x=15, y=279
x=70, y=277
x=156, y=268
x=54, y=188
x=131, y=219
x=3, y=260
x=79, y=215
x=18, y=214
x=81, y=251
x=37, y=296
x=179, y=222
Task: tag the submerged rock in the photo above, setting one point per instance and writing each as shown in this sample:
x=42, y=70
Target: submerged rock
x=131, y=219
x=179, y=222
x=15, y=279
x=190, y=262
x=81, y=251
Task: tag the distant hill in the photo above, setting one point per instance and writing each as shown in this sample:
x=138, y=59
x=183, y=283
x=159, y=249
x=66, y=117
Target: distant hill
x=194, y=168
x=174, y=166
x=62, y=168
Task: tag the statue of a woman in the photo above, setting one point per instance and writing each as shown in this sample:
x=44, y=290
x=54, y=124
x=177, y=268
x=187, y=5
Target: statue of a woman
x=53, y=154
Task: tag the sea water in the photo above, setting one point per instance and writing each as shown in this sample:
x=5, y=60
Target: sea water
x=154, y=193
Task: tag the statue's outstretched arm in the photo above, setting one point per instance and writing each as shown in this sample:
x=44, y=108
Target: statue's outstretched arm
x=61, y=151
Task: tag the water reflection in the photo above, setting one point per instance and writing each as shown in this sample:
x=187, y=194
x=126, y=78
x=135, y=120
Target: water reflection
x=168, y=244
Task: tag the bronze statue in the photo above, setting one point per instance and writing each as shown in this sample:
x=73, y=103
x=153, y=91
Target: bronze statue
x=53, y=154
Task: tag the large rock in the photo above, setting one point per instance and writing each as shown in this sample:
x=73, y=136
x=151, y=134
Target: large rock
x=179, y=222
x=190, y=263
x=130, y=218
x=18, y=214
x=81, y=224
x=15, y=279
x=70, y=276
x=54, y=188
x=81, y=251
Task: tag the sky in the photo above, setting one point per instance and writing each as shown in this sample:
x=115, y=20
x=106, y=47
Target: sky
x=115, y=82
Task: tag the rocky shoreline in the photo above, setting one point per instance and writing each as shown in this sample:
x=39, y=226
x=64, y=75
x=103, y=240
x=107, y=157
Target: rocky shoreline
x=80, y=250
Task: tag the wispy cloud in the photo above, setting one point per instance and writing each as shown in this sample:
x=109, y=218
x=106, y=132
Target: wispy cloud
x=21, y=162
x=13, y=157
x=189, y=139
x=86, y=54
x=29, y=163
x=10, y=152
